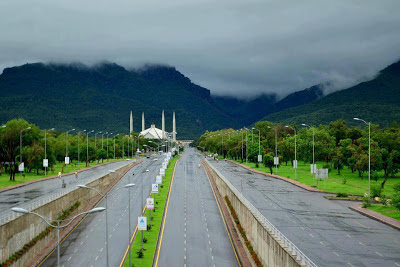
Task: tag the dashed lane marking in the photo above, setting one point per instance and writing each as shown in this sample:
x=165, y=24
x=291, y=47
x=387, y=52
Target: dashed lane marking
x=379, y=254
x=336, y=253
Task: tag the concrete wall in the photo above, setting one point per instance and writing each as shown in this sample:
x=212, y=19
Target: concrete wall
x=15, y=234
x=268, y=249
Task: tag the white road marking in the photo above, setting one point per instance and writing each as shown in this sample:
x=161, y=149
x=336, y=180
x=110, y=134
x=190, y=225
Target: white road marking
x=361, y=244
x=349, y=235
x=101, y=249
x=302, y=228
x=311, y=235
x=96, y=257
x=69, y=258
x=75, y=250
x=81, y=243
x=322, y=243
x=91, y=230
x=397, y=264
x=379, y=254
x=336, y=253
x=87, y=236
x=350, y=264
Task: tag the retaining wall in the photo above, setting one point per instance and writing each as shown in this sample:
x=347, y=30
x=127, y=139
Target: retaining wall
x=16, y=233
x=270, y=251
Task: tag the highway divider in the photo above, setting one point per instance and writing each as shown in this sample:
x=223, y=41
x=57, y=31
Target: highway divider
x=271, y=246
x=15, y=233
x=153, y=235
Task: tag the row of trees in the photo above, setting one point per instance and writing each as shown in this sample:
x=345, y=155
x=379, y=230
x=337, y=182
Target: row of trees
x=36, y=143
x=337, y=144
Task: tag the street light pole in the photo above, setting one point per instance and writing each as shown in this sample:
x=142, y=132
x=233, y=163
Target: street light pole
x=20, y=147
x=87, y=147
x=295, y=152
x=95, y=139
x=66, y=146
x=369, y=155
x=107, y=144
x=78, y=145
x=58, y=227
x=45, y=148
x=313, y=157
x=259, y=141
x=106, y=197
x=114, y=144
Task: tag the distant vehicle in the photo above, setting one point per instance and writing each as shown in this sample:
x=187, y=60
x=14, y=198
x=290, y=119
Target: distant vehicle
x=148, y=155
x=155, y=159
x=147, y=170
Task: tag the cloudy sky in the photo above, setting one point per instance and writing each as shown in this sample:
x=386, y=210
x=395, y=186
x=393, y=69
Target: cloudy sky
x=234, y=47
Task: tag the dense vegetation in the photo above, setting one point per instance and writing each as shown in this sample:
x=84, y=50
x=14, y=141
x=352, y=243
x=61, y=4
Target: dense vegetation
x=378, y=100
x=33, y=146
x=336, y=144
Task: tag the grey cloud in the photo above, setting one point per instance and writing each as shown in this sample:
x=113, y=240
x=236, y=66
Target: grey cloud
x=233, y=47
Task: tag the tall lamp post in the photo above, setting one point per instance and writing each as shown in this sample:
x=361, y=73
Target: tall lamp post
x=87, y=147
x=259, y=142
x=95, y=139
x=20, y=148
x=369, y=155
x=66, y=145
x=107, y=144
x=78, y=145
x=295, y=152
x=276, y=147
x=58, y=226
x=106, y=195
x=45, y=148
x=313, y=151
x=114, y=144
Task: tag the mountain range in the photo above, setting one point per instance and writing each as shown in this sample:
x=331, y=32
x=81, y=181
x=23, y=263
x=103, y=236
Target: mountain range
x=67, y=96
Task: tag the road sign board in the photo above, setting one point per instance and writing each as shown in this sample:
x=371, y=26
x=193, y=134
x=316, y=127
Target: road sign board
x=150, y=203
x=66, y=160
x=322, y=174
x=142, y=223
x=295, y=164
x=154, y=188
x=158, y=179
x=259, y=158
x=21, y=167
x=313, y=170
x=162, y=172
x=45, y=163
x=276, y=160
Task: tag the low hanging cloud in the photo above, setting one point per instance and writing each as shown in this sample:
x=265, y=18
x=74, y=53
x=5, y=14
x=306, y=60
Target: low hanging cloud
x=232, y=47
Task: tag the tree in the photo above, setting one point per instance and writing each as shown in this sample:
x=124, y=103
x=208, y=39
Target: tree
x=269, y=161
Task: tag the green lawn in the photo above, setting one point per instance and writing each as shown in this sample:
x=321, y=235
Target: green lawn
x=354, y=184
x=386, y=210
x=5, y=177
x=156, y=214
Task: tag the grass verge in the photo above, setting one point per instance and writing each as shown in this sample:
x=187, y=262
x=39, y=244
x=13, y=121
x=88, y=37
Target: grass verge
x=388, y=211
x=5, y=177
x=152, y=234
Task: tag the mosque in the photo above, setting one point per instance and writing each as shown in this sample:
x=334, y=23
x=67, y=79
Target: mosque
x=155, y=133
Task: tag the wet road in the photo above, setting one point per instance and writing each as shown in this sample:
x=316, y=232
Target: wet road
x=328, y=232
x=85, y=246
x=194, y=233
x=24, y=195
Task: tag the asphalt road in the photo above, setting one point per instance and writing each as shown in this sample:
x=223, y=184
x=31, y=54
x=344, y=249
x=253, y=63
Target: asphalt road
x=32, y=192
x=328, y=232
x=86, y=246
x=194, y=233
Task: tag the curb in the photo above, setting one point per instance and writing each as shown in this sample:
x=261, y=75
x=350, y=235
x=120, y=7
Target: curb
x=376, y=216
x=51, y=177
x=296, y=183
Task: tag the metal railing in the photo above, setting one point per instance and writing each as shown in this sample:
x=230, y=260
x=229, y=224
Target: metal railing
x=281, y=238
x=30, y=206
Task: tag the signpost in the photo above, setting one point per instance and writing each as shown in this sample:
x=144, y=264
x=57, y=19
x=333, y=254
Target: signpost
x=259, y=158
x=21, y=167
x=158, y=179
x=154, y=188
x=150, y=203
x=322, y=174
x=142, y=225
x=66, y=160
x=162, y=172
x=313, y=170
x=45, y=163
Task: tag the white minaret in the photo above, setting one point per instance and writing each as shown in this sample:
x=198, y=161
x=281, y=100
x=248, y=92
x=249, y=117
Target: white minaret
x=143, y=122
x=173, y=128
x=131, y=125
x=163, y=125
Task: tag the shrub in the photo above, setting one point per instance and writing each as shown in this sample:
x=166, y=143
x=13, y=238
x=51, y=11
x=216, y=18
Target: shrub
x=366, y=201
x=374, y=176
x=395, y=201
x=376, y=191
x=342, y=195
x=144, y=240
x=140, y=253
x=396, y=187
x=344, y=181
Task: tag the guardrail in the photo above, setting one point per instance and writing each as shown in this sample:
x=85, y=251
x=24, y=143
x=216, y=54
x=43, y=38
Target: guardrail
x=10, y=215
x=281, y=238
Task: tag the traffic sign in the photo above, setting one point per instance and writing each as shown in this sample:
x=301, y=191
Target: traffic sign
x=295, y=164
x=45, y=163
x=142, y=223
x=259, y=158
x=21, y=167
x=158, y=179
x=154, y=188
x=313, y=170
x=162, y=172
x=150, y=203
x=276, y=160
x=66, y=160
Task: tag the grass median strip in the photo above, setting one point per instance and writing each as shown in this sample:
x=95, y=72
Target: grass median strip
x=145, y=257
